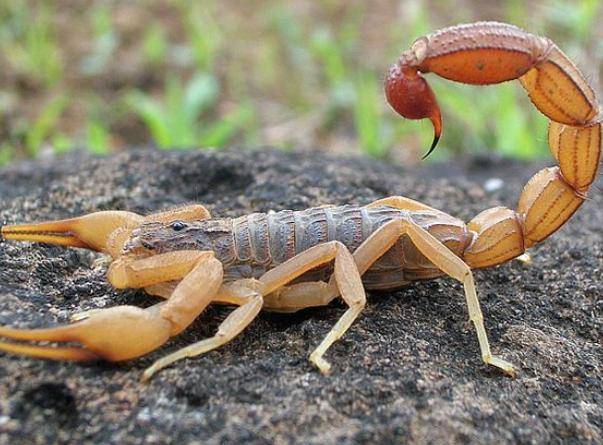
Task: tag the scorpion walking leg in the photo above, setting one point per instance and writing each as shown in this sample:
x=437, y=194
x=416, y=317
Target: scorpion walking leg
x=300, y=296
x=345, y=276
x=400, y=203
x=436, y=252
x=250, y=304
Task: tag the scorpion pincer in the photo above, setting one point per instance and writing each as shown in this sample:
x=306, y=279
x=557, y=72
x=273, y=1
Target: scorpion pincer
x=291, y=260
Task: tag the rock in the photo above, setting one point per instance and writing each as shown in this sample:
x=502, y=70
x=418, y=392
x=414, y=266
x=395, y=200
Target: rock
x=409, y=369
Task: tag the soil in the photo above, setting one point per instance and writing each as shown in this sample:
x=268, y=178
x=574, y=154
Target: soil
x=408, y=371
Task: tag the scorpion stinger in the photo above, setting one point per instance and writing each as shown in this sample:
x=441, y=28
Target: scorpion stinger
x=436, y=120
x=410, y=95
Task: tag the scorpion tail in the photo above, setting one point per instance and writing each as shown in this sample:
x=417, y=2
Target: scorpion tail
x=410, y=95
x=487, y=53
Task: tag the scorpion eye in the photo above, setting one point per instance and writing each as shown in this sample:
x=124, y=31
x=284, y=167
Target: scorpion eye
x=178, y=226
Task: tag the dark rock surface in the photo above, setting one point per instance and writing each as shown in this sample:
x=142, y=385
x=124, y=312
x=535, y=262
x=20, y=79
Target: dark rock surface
x=409, y=369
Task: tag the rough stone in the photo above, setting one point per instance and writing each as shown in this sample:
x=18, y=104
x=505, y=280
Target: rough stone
x=408, y=371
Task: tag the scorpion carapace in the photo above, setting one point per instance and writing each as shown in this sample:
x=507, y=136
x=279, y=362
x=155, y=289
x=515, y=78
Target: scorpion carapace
x=290, y=260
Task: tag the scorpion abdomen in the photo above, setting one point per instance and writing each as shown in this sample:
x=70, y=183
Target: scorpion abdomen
x=261, y=241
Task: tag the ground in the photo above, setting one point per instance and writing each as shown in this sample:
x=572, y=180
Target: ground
x=407, y=371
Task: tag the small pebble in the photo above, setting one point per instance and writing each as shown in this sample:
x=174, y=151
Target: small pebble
x=493, y=184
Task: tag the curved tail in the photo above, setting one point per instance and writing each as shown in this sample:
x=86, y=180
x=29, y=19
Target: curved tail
x=488, y=53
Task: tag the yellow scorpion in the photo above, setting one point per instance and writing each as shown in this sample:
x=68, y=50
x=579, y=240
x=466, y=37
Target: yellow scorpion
x=290, y=260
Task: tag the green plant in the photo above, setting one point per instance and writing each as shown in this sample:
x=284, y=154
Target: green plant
x=29, y=42
x=175, y=121
x=314, y=68
x=105, y=41
x=43, y=126
x=7, y=151
x=155, y=45
x=369, y=124
x=202, y=30
x=98, y=139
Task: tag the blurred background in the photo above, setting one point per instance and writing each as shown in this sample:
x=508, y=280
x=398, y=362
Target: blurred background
x=106, y=76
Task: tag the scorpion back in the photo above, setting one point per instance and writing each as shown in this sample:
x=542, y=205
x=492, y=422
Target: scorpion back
x=251, y=245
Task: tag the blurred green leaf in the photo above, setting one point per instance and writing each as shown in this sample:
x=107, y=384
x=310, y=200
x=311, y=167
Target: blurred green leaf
x=174, y=112
x=177, y=121
x=202, y=30
x=155, y=45
x=98, y=138
x=42, y=126
x=61, y=143
x=219, y=133
x=330, y=56
x=105, y=43
x=7, y=152
x=201, y=93
x=152, y=115
x=367, y=117
x=576, y=17
x=32, y=46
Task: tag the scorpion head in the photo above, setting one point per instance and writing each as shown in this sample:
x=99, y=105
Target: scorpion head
x=160, y=237
x=122, y=233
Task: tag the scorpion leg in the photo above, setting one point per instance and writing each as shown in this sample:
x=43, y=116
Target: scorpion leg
x=126, y=332
x=400, y=203
x=436, y=252
x=162, y=290
x=345, y=277
x=300, y=296
x=250, y=304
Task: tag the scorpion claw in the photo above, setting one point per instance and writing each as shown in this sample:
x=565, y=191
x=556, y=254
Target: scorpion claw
x=92, y=231
x=67, y=353
x=115, y=334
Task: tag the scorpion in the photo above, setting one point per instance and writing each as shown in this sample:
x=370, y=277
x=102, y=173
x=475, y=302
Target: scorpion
x=289, y=260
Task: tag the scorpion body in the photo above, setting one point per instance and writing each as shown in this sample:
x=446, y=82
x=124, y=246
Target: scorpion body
x=290, y=260
x=251, y=245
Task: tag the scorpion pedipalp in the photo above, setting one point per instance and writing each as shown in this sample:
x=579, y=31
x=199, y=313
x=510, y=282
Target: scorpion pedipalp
x=126, y=332
x=117, y=333
x=94, y=231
